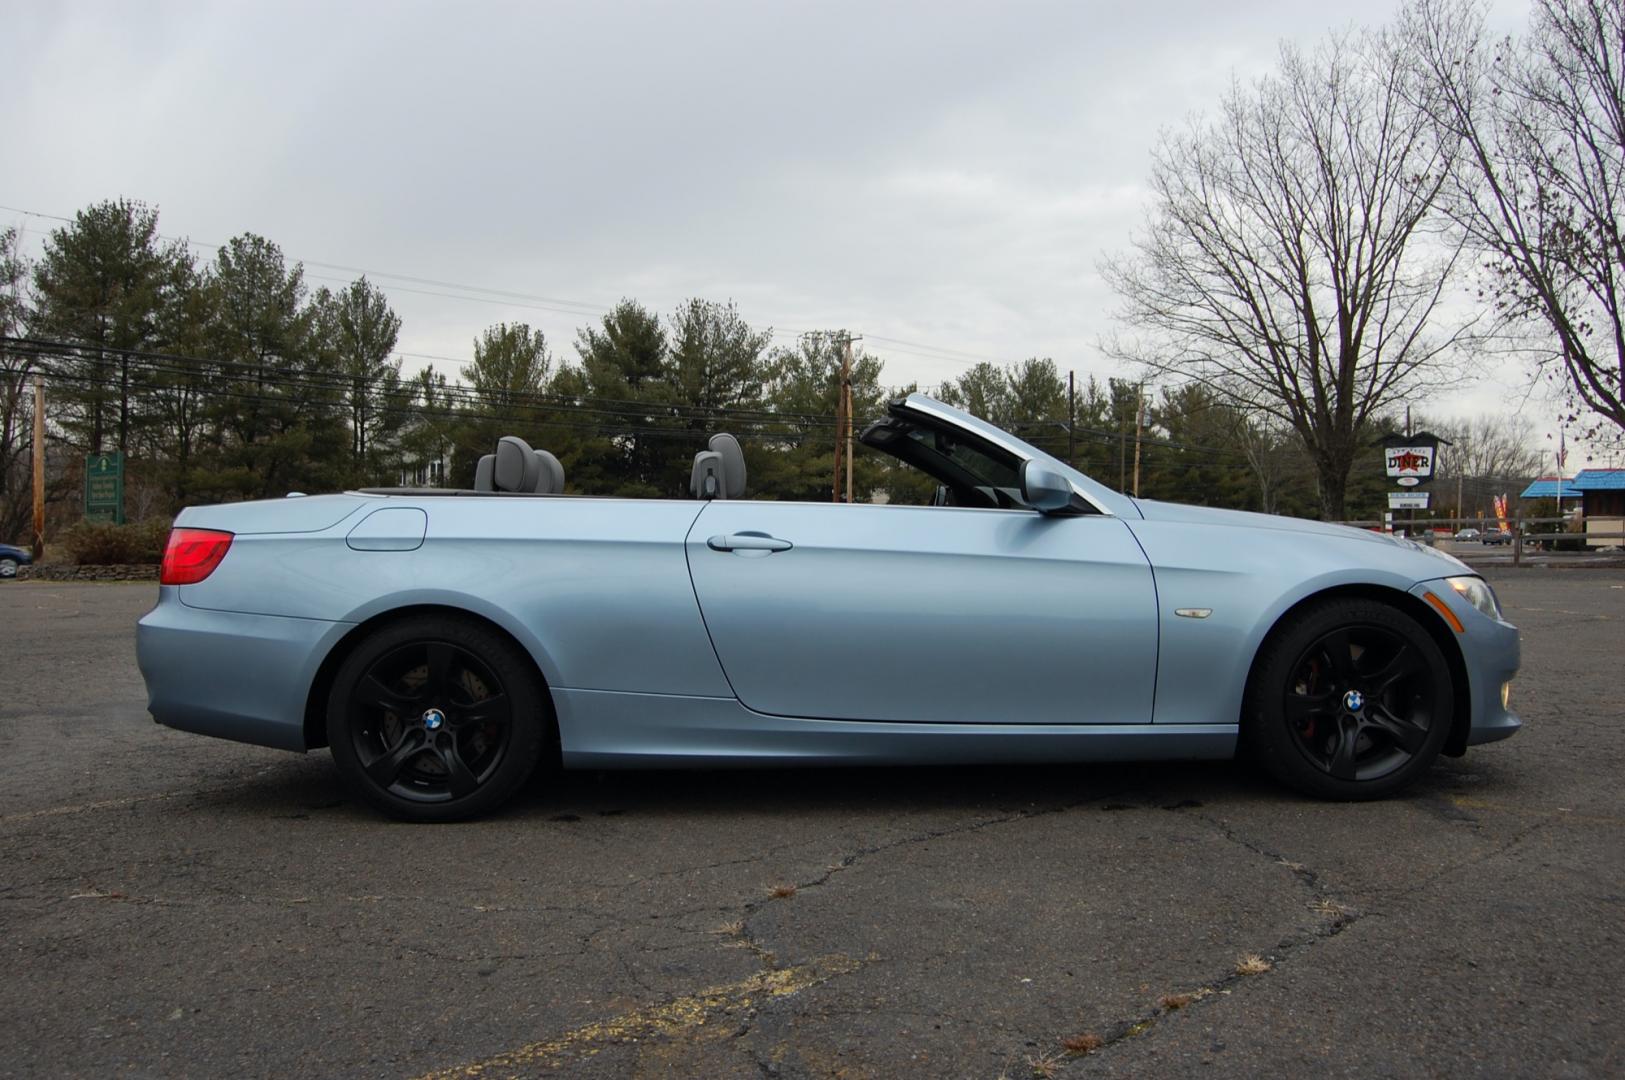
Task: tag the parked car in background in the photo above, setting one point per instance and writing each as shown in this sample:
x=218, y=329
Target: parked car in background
x=1497, y=536
x=1467, y=534
x=11, y=558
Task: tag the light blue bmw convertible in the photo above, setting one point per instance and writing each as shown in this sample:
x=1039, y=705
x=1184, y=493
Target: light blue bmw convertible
x=446, y=643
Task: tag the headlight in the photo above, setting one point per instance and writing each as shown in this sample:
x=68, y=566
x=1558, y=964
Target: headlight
x=1477, y=592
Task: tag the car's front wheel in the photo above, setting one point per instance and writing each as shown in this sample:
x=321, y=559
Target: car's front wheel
x=8, y=567
x=1351, y=699
x=437, y=718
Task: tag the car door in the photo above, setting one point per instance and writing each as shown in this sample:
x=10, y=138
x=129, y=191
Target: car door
x=930, y=614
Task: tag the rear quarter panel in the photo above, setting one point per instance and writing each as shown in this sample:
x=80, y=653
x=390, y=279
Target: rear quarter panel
x=596, y=589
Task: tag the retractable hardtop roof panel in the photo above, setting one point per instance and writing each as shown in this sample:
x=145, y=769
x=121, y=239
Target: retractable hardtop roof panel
x=979, y=464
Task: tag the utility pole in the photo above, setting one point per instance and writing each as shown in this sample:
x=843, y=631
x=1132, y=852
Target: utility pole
x=39, y=469
x=843, y=423
x=1139, y=423
x=840, y=442
x=1122, y=446
x=1071, y=417
x=1410, y=522
x=846, y=400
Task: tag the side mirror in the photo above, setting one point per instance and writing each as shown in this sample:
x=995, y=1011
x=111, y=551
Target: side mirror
x=1044, y=489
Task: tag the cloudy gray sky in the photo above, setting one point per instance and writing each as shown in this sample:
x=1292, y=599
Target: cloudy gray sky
x=943, y=178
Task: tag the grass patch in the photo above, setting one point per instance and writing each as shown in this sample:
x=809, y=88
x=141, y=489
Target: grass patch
x=1087, y=1043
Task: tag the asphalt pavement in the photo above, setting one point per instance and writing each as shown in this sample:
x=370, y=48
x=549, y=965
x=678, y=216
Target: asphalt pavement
x=172, y=905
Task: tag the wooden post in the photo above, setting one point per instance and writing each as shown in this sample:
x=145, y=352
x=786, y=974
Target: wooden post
x=846, y=410
x=848, y=396
x=1071, y=418
x=1517, y=537
x=1139, y=424
x=840, y=439
x=39, y=469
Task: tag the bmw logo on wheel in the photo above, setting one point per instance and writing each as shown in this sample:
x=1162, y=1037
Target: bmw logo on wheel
x=1353, y=701
x=433, y=719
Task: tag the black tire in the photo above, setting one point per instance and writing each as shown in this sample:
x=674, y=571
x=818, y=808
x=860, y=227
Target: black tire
x=437, y=718
x=1350, y=699
x=8, y=567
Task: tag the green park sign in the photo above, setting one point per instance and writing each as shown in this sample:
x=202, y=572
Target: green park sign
x=104, y=488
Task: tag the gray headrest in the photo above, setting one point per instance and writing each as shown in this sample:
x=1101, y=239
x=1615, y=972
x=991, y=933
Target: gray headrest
x=551, y=478
x=705, y=482
x=733, y=464
x=483, y=473
x=517, y=467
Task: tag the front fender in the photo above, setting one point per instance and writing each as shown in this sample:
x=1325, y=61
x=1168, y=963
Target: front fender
x=1246, y=579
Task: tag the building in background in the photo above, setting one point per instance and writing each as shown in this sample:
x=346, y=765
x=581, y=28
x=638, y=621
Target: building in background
x=1598, y=495
x=1602, y=503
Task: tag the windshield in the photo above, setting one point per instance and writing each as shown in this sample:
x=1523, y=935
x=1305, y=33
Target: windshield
x=987, y=469
x=921, y=409
x=968, y=470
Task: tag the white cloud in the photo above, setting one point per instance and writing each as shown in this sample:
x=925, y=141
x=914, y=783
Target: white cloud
x=941, y=173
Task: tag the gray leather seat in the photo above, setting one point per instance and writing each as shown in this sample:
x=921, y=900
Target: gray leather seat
x=705, y=480
x=516, y=467
x=552, y=479
x=719, y=470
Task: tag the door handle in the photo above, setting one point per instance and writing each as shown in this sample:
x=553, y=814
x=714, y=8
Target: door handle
x=748, y=541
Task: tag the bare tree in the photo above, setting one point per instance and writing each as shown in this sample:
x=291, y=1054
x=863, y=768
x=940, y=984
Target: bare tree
x=16, y=402
x=1541, y=195
x=1292, y=258
x=1273, y=456
x=1490, y=447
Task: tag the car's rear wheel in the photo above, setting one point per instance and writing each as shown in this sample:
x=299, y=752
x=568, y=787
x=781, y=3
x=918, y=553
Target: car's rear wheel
x=8, y=568
x=1352, y=699
x=437, y=718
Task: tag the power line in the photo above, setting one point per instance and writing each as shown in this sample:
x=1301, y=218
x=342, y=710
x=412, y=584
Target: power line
x=556, y=305
x=687, y=434
x=338, y=382
x=627, y=410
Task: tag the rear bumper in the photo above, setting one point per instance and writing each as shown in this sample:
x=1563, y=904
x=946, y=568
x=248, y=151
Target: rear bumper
x=231, y=675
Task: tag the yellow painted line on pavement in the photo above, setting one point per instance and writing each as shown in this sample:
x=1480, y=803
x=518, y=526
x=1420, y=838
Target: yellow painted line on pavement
x=1556, y=813
x=85, y=808
x=128, y=800
x=671, y=1018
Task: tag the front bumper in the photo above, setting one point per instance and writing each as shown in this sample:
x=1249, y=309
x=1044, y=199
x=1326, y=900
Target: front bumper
x=228, y=674
x=1490, y=650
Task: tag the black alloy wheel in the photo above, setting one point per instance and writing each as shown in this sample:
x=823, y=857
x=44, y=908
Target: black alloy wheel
x=1352, y=700
x=436, y=719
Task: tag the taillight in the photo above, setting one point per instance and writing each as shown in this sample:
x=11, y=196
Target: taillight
x=191, y=555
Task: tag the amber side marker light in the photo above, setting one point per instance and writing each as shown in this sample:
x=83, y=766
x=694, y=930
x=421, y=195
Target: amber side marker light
x=191, y=555
x=1444, y=609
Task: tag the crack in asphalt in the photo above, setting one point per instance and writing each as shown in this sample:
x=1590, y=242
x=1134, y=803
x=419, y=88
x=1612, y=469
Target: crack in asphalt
x=773, y=982
x=670, y=1018
x=847, y=862
x=1431, y=880
x=682, y=871
x=1337, y=917
x=746, y=939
